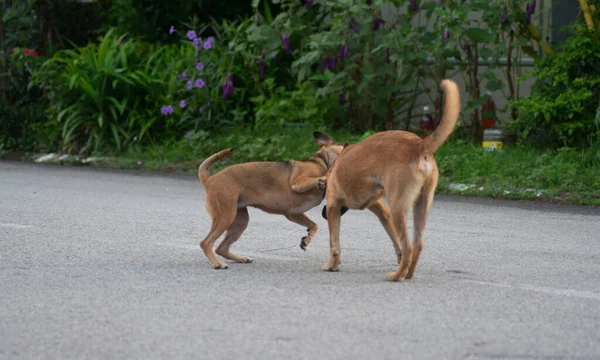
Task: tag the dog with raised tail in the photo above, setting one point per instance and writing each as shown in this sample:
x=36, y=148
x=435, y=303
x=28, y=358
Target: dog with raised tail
x=287, y=188
x=400, y=166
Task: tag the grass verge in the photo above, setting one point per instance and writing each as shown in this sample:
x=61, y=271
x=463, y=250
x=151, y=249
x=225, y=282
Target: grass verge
x=517, y=172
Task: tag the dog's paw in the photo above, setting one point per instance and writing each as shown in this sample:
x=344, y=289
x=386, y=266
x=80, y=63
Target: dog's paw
x=393, y=276
x=330, y=268
x=321, y=184
x=303, y=243
x=220, y=266
x=245, y=260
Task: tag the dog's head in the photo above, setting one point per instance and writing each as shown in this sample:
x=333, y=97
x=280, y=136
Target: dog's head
x=329, y=149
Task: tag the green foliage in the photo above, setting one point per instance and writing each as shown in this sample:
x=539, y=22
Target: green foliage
x=482, y=30
x=299, y=106
x=565, y=102
x=355, y=59
x=106, y=95
x=21, y=111
x=519, y=170
x=152, y=19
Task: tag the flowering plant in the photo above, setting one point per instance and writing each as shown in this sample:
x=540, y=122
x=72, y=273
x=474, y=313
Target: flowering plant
x=196, y=92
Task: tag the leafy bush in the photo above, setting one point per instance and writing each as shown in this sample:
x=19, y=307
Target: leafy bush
x=151, y=19
x=564, y=107
x=107, y=95
x=21, y=111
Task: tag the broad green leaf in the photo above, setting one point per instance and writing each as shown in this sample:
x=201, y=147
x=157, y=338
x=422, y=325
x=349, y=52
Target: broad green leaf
x=479, y=35
x=529, y=50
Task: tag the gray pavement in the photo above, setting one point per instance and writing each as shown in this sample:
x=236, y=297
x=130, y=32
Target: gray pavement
x=98, y=264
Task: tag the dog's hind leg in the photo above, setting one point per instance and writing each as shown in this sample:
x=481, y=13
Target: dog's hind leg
x=302, y=219
x=420, y=212
x=222, y=217
x=384, y=216
x=399, y=213
x=233, y=233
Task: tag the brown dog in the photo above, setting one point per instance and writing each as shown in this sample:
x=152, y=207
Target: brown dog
x=400, y=166
x=286, y=188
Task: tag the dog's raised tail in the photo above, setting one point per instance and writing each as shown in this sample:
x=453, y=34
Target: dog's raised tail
x=203, y=169
x=449, y=117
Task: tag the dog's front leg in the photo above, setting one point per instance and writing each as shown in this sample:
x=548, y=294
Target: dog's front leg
x=311, y=228
x=333, y=221
x=303, y=184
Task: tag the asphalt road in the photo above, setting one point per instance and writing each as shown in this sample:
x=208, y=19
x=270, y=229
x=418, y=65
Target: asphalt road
x=98, y=264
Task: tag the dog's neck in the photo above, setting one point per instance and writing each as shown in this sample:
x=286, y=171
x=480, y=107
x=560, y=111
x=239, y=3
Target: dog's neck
x=319, y=160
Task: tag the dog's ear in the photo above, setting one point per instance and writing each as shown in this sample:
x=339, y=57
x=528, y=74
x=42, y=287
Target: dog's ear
x=322, y=139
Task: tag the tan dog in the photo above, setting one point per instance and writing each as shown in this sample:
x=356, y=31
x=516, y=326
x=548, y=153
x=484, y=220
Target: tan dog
x=400, y=166
x=287, y=188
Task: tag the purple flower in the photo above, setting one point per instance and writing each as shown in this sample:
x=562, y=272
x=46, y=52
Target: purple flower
x=183, y=75
x=197, y=42
x=182, y=104
x=341, y=98
x=191, y=34
x=201, y=109
x=353, y=25
x=369, y=2
x=228, y=87
x=529, y=10
x=200, y=83
x=414, y=6
x=505, y=19
x=446, y=34
x=199, y=66
x=189, y=136
x=308, y=4
x=190, y=84
x=166, y=110
x=324, y=64
x=286, y=42
x=256, y=19
x=171, y=30
x=377, y=23
x=208, y=44
x=344, y=51
x=328, y=63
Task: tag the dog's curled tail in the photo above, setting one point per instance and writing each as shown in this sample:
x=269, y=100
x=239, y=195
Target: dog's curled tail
x=203, y=169
x=449, y=117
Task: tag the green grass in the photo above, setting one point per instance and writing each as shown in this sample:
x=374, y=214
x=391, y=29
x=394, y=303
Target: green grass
x=563, y=175
x=185, y=154
x=517, y=172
